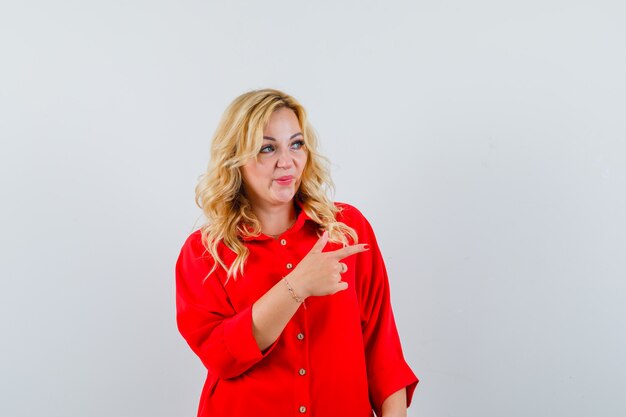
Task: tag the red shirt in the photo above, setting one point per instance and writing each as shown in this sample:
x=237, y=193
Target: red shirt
x=339, y=356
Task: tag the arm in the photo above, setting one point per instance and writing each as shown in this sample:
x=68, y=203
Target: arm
x=389, y=376
x=229, y=342
x=395, y=404
x=220, y=336
x=271, y=313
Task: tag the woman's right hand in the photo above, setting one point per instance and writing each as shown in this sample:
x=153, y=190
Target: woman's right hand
x=319, y=273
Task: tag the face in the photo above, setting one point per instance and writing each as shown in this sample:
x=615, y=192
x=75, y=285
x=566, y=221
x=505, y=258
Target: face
x=273, y=178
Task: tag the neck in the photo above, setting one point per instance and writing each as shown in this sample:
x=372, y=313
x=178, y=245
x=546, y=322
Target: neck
x=275, y=220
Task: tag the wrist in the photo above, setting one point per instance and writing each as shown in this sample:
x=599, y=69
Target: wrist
x=293, y=292
x=297, y=286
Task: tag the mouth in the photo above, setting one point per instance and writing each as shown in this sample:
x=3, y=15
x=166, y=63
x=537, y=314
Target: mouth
x=286, y=180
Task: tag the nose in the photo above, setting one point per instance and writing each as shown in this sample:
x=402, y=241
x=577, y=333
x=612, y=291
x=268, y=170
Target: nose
x=285, y=160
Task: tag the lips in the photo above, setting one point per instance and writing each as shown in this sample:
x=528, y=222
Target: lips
x=286, y=180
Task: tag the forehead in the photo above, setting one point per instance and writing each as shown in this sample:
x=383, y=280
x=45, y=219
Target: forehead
x=282, y=124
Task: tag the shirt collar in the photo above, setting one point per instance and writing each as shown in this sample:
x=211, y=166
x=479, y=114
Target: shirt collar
x=300, y=220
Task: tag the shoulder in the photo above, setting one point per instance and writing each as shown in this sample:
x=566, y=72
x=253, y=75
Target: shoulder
x=194, y=253
x=193, y=244
x=351, y=216
x=348, y=211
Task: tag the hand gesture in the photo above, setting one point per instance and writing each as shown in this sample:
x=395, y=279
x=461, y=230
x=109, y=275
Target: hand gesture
x=319, y=273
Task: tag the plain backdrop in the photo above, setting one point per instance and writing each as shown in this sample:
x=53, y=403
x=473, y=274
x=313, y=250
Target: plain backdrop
x=484, y=140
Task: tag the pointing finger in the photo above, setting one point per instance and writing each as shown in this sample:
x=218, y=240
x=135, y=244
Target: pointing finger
x=350, y=250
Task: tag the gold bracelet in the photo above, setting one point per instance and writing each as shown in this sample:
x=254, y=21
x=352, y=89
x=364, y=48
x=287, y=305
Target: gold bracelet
x=293, y=293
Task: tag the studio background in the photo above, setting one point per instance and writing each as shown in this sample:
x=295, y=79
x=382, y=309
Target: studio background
x=484, y=140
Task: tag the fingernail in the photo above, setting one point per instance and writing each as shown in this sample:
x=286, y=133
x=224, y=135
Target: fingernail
x=366, y=246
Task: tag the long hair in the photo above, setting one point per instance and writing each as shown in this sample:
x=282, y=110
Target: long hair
x=219, y=193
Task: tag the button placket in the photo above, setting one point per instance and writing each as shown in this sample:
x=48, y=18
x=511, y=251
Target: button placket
x=300, y=358
x=302, y=380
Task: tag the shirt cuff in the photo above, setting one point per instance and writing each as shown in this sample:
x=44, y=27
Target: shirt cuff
x=240, y=341
x=405, y=379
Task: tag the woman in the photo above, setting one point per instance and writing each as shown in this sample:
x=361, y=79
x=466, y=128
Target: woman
x=283, y=294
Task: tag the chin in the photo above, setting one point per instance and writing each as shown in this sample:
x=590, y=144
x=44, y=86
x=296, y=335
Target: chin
x=284, y=197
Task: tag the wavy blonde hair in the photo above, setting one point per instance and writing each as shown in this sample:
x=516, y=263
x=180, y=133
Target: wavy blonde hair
x=219, y=193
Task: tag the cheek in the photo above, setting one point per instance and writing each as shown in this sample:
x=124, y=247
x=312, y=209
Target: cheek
x=263, y=163
x=247, y=173
x=254, y=169
x=258, y=176
x=301, y=161
x=251, y=174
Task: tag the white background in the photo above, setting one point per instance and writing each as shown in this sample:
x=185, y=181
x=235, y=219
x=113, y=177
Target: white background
x=484, y=140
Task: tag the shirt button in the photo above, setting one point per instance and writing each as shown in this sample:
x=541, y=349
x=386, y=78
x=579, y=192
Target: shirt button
x=302, y=409
x=289, y=266
x=302, y=371
x=300, y=336
x=283, y=242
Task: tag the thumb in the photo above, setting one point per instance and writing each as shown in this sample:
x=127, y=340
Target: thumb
x=319, y=245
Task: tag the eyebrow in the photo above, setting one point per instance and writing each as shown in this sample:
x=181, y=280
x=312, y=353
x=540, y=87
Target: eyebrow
x=292, y=136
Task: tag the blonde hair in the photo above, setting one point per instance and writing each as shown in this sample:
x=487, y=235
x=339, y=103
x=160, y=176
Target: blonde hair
x=219, y=193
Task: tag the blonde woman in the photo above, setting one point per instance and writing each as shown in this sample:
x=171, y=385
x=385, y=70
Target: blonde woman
x=283, y=294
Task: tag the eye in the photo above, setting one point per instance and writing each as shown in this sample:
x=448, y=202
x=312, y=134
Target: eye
x=297, y=144
x=267, y=149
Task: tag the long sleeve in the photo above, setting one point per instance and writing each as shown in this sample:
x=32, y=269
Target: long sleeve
x=220, y=336
x=387, y=370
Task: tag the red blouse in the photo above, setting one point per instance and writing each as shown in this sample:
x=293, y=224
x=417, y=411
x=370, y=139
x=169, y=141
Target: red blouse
x=339, y=356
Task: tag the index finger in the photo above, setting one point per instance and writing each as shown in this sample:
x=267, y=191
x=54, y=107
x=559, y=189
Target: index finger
x=349, y=250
